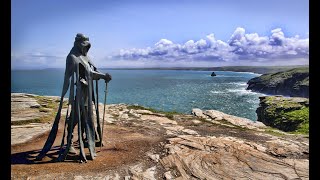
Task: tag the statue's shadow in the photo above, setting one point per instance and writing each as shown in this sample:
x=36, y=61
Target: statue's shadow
x=29, y=157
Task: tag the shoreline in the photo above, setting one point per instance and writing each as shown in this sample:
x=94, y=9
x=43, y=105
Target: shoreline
x=153, y=108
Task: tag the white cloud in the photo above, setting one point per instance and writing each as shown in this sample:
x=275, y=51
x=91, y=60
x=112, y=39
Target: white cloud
x=36, y=60
x=240, y=46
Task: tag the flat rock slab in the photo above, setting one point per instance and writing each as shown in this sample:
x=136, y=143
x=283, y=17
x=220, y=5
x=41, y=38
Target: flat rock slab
x=25, y=107
x=21, y=134
x=214, y=115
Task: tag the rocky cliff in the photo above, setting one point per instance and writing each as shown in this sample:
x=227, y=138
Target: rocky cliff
x=142, y=143
x=285, y=113
x=294, y=82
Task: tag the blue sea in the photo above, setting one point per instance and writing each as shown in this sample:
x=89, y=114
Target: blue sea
x=166, y=90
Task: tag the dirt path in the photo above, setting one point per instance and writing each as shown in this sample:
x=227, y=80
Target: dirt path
x=123, y=147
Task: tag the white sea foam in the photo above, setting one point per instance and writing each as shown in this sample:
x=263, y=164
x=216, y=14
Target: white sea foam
x=237, y=83
x=217, y=92
x=227, y=76
x=242, y=91
x=250, y=73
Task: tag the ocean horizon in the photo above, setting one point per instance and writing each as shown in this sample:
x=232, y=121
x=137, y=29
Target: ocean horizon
x=165, y=90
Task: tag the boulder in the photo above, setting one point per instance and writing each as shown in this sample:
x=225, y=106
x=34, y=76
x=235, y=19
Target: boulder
x=198, y=112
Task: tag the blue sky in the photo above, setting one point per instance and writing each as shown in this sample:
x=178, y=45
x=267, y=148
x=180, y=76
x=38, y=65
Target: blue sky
x=167, y=33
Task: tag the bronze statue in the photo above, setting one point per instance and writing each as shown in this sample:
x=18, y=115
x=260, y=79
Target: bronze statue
x=80, y=74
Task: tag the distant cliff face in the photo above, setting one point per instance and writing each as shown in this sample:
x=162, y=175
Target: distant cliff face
x=294, y=82
x=285, y=113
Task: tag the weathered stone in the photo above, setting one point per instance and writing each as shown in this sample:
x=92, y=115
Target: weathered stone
x=138, y=173
x=154, y=157
x=23, y=133
x=142, y=111
x=198, y=112
x=168, y=175
x=196, y=121
x=284, y=148
x=228, y=158
x=124, y=116
x=189, y=131
x=237, y=121
x=160, y=120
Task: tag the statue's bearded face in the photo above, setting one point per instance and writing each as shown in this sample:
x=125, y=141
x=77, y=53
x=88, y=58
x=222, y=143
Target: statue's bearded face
x=83, y=46
x=85, y=50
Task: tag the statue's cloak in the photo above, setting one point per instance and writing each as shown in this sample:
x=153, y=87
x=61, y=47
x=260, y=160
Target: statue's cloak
x=81, y=100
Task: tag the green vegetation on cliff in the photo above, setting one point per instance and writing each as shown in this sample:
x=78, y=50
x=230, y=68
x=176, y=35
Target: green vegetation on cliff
x=284, y=113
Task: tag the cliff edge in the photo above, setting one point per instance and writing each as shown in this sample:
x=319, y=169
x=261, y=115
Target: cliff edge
x=290, y=114
x=143, y=143
x=294, y=82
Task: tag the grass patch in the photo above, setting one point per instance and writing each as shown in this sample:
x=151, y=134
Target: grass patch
x=273, y=131
x=225, y=122
x=42, y=109
x=299, y=119
x=303, y=128
x=275, y=103
x=286, y=114
x=168, y=114
x=49, y=104
x=44, y=119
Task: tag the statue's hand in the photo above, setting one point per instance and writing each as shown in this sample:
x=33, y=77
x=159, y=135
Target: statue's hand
x=107, y=78
x=83, y=81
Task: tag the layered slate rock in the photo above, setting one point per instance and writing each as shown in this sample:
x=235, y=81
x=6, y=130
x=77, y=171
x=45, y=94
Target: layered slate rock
x=228, y=158
x=294, y=82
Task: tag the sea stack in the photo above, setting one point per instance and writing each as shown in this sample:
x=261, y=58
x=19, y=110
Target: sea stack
x=213, y=74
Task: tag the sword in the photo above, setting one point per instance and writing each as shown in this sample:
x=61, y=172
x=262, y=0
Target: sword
x=104, y=111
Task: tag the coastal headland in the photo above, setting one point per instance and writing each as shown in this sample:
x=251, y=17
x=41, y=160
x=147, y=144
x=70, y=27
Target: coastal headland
x=143, y=143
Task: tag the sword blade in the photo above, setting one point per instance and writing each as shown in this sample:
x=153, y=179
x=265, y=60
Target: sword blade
x=104, y=111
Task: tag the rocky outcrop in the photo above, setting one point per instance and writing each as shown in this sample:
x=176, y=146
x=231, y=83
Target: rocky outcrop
x=227, y=158
x=218, y=117
x=294, y=82
x=213, y=74
x=148, y=144
x=31, y=116
x=284, y=113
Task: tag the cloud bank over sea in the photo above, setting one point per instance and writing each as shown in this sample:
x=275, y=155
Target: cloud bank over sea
x=241, y=46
